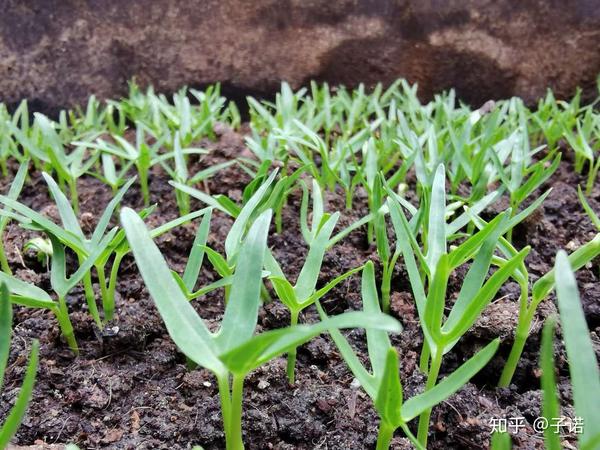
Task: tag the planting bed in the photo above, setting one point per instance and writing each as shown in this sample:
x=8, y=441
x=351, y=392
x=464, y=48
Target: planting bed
x=130, y=388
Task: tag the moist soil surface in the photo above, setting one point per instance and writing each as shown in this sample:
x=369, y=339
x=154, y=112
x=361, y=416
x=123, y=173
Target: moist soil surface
x=130, y=388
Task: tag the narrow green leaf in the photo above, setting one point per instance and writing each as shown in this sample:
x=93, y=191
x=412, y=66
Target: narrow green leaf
x=108, y=212
x=203, y=197
x=378, y=342
x=15, y=189
x=579, y=258
x=368, y=382
x=477, y=272
x=478, y=303
x=14, y=418
x=162, y=229
x=236, y=233
x=309, y=275
x=180, y=164
x=476, y=208
x=436, y=237
x=583, y=366
x=588, y=209
x=70, y=239
x=263, y=347
x=285, y=292
x=218, y=262
x=389, y=394
x=5, y=329
x=67, y=215
x=436, y=299
x=329, y=286
x=192, y=268
x=22, y=288
x=449, y=385
x=550, y=404
x=210, y=171
x=241, y=314
x=185, y=327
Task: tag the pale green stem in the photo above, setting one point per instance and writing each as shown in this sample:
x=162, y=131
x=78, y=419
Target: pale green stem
x=424, y=360
x=143, y=174
x=235, y=419
x=3, y=261
x=386, y=282
x=521, y=333
x=90, y=298
x=66, y=328
x=108, y=306
x=291, y=356
x=74, y=196
x=384, y=436
x=349, y=199
x=432, y=376
x=112, y=282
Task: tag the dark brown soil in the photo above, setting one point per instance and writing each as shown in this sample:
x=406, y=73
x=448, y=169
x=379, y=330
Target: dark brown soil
x=130, y=387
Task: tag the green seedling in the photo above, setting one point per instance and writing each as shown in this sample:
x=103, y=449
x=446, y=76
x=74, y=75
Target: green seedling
x=383, y=383
x=318, y=215
x=436, y=265
x=8, y=147
x=520, y=177
x=46, y=146
x=550, y=402
x=304, y=293
x=111, y=175
x=377, y=228
x=119, y=247
x=582, y=142
x=588, y=209
x=256, y=204
x=94, y=253
x=71, y=235
x=190, y=121
x=179, y=173
x=94, y=119
x=552, y=119
x=26, y=294
x=539, y=292
x=141, y=154
x=583, y=365
x=16, y=414
x=14, y=191
x=161, y=116
x=187, y=282
x=232, y=352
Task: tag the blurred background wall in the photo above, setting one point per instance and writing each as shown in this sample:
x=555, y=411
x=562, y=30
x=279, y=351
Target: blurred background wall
x=58, y=52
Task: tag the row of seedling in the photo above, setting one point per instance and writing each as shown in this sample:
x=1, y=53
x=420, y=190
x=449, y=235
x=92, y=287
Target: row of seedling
x=430, y=245
x=457, y=162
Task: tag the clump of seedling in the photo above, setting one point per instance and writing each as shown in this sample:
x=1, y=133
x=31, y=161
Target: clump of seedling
x=232, y=352
x=423, y=175
x=383, y=384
